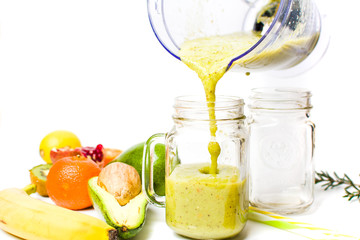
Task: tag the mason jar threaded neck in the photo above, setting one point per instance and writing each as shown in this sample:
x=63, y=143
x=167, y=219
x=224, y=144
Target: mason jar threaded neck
x=280, y=99
x=193, y=107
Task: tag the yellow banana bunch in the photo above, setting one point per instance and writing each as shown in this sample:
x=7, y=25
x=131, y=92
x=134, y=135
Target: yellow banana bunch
x=33, y=219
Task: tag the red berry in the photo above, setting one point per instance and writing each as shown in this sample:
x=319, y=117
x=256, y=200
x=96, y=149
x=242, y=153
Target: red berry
x=96, y=154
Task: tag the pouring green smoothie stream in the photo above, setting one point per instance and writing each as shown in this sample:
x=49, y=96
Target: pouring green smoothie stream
x=209, y=58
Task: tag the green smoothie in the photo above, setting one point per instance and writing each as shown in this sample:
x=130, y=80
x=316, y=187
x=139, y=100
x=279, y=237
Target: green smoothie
x=203, y=205
x=209, y=58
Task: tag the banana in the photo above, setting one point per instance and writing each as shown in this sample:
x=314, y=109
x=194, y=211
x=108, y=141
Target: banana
x=33, y=219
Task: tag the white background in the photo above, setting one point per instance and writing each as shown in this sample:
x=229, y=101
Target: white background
x=96, y=68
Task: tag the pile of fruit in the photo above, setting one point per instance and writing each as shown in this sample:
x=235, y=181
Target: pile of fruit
x=77, y=177
x=69, y=168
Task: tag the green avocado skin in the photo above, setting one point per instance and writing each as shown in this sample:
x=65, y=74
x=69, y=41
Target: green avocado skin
x=134, y=157
x=101, y=205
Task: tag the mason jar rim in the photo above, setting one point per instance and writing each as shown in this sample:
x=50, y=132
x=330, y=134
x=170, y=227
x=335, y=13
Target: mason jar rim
x=196, y=107
x=284, y=98
x=198, y=100
x=279, y=92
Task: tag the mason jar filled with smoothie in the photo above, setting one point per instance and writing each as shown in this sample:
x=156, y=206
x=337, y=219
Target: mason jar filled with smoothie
x=206, y=194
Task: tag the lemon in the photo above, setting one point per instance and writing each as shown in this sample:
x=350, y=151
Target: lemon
x=57, y=139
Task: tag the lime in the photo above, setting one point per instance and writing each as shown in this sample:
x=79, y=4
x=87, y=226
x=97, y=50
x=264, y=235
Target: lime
x=57, y=139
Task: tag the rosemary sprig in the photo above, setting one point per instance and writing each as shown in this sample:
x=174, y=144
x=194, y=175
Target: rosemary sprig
x=352, y=190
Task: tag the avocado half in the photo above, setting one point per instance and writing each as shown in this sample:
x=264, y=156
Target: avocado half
x=128, y=219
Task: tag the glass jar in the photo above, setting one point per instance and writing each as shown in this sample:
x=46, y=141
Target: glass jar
x=200, y=204
x=281, y=150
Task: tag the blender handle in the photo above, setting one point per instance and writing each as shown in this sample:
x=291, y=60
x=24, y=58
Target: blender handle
x=147, y=170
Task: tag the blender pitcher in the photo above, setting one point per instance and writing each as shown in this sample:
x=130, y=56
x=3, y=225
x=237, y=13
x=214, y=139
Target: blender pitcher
x=288, y=30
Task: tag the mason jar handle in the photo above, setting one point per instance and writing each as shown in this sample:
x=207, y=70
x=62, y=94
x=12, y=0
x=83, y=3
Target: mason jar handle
x=147, y=170
x=312, y=126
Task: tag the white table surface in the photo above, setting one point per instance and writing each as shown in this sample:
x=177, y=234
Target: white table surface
x=329, y=211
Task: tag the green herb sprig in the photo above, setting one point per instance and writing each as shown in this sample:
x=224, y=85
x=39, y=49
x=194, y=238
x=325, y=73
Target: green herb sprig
x=352, y=190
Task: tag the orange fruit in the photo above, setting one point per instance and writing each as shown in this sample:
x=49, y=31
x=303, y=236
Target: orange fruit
x=110, y=154
x=68, y=179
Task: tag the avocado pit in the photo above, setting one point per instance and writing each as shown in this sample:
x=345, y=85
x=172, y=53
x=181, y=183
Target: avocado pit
x=120, y=180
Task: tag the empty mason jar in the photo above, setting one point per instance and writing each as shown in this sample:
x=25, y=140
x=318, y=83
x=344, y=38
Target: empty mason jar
x=281, y=149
